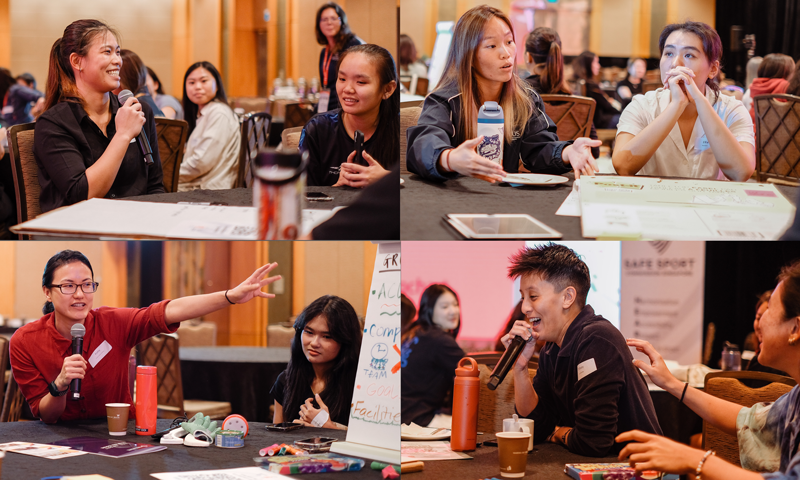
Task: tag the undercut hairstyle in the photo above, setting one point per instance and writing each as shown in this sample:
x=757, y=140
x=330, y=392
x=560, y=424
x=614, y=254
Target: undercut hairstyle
x=556, y=264
x=344, y=35
x=190, y=108
x=790, y=276
x=776, y=65
x=77, y=39
x=344, y=329
x=426, y=306
x=386, y=146
x=133, y=74
x=459, y=73
x=712, y=45
x=544, y=45
x=64, y=257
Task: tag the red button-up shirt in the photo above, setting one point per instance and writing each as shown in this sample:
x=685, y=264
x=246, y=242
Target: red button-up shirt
x=38, y=350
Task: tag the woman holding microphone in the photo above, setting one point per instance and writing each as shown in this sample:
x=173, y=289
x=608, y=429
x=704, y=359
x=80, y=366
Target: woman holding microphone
x=40, y=351
x=85, y=143
x=480, y=68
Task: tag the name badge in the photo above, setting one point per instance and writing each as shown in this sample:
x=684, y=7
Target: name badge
x=99, y=353
x=324, y=98
x=704, y=145
x=585, y=368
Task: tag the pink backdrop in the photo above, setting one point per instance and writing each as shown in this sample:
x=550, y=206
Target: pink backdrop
x=476, y=271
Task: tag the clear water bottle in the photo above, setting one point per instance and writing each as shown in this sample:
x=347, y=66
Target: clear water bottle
x=731, y=357
x=301, y=87
x=490, y=126
x=276, y=85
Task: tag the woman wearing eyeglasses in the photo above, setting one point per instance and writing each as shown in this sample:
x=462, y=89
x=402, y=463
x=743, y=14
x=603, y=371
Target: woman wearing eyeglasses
x=334, y=33
x=41, y=351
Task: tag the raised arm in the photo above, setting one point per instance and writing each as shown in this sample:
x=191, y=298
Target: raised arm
x=195, y=306
x=720, y=413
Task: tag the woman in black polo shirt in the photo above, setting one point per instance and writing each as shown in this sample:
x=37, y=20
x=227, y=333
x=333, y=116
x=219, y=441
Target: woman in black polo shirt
x=334, y=33
x=85, y=142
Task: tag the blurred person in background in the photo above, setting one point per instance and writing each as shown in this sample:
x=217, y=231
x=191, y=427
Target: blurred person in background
x=22, y=101
x=586, y=67
x=634, y=81
x=334, y=34
x=409, y=61
x=168, y=104
x=773, y=77
x=132, y=77
x=752, y=72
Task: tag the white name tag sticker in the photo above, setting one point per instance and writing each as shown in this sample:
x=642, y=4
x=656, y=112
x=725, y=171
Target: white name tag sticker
x=585, y=368
x=132, y=140
x=704, y=145
x=324, y=97
x=99, y=353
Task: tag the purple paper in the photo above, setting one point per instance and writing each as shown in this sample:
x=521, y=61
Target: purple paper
x=108, y=447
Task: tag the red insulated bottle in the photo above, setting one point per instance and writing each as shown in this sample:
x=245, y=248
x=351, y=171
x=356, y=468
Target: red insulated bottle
x=466, y=388
x=146, y=400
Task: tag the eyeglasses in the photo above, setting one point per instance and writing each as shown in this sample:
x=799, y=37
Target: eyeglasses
x=70, y=288
x=329, y=20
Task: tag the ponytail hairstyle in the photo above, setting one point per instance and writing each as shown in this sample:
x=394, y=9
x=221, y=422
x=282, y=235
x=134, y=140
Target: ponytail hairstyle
x=712, y=46
x=133, y=74
x=77, y=39
x=544, y=45
x=386, y=138
x=459, y=74
x=58, y=260
x=345, y=329
x=190, y=108
x=344, y=35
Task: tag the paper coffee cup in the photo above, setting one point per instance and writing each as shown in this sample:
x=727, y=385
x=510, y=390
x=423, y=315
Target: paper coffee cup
x=512, y=448
x=117, y=414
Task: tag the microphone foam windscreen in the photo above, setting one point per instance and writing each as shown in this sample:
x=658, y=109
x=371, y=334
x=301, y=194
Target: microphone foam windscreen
x=77, y=330
x=124, y=96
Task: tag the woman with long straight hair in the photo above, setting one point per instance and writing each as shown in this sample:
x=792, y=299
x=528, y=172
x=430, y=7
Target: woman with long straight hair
x=545, y=62
x=480, y=68
x=334, y=34
x=367, y=88
x=317, y=386
x=85, y=143
x=430, y=354
x=586, y=67
x=212, y=150
x=133, y=77
x=686, y=128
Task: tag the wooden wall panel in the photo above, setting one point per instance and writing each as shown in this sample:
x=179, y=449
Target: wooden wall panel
x=5, y=33
x=8, y=272
x=217, y=276
x=115, y=274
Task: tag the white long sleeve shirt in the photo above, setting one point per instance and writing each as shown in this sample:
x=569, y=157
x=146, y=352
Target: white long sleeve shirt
x=212, y=152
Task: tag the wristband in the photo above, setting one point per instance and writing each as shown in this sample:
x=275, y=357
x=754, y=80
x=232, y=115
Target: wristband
x=54, y=391
x=228, y=299
x=446, y=162
x=685, y=387
x=320, y=419
x=702, y=461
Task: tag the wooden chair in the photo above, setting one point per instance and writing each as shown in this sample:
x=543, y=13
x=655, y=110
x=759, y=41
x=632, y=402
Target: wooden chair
x=162, y=351
x=200, y=334
x=573, y=115
x=13, y=402
x=171, y=145
x=408, y=118
x=290, y=139
x=708, y=348
x=279, y=336
x=3, y=365
x=494, y=406
x=25, y=172
x=249, y=104
x=297, y=114
x=727, y=386
x=777, y=137
x=255, y=136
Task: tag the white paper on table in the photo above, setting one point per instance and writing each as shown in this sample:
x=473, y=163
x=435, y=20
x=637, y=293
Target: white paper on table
x=426, y=451
x=654, y=208
x=314, y=216
x=246, y=473
x=53, y=452
x=572, y=204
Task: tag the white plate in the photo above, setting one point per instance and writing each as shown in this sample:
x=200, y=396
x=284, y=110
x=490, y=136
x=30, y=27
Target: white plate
x=515, y=179
x=439, y=436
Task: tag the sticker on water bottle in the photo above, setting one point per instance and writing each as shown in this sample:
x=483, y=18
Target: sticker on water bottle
x=492, y=146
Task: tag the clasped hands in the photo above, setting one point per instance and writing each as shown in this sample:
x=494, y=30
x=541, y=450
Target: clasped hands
x=359, y=176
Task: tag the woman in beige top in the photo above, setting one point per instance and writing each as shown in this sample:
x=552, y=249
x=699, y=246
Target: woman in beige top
x=212, y=151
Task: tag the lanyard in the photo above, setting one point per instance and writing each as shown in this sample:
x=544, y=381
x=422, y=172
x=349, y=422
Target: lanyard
x=325, y=64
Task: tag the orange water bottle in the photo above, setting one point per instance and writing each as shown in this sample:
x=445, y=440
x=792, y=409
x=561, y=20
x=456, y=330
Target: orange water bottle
x=146, y=400
x=466, y=388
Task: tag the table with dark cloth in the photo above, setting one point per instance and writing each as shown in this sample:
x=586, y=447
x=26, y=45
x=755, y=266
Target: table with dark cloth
x=242, y=376
x=424, y=203
x=545, y=462
x=175, y=458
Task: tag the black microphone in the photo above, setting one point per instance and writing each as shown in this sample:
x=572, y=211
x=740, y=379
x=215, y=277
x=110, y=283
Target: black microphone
x=506, y=362
x=77, y=331
x=141, y=139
